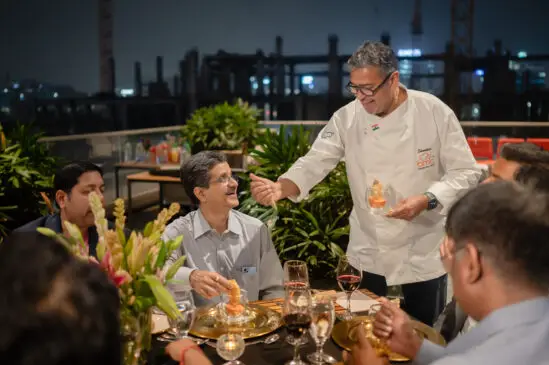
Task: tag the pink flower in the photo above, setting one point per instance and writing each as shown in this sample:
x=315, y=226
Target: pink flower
x=117, y=277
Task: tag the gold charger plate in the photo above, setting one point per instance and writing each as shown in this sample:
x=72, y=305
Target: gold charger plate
x=208, y=325
x=340, y=335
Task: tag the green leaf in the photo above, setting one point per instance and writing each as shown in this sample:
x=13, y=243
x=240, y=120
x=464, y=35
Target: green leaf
x=164, y=300
x=174, y=244
x=172, y=270
x=161, y=258
x=148, y=229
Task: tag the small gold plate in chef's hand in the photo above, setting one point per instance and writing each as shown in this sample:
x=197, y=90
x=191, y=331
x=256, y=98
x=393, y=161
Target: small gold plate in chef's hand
x=344, y=334
x=210, y=323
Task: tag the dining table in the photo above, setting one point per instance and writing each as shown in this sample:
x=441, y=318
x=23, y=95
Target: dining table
x=256, y=353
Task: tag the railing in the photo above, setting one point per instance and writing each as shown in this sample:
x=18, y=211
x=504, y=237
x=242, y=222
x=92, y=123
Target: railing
x=107, y=149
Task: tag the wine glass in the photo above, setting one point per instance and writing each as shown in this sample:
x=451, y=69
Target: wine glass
x=182, y=324
x=296, y=273
x=296, y=313
x=349, y=276
x=230, y=347
x=323, y=318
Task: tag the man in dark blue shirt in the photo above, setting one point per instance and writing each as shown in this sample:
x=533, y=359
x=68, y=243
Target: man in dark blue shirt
x=72, y=185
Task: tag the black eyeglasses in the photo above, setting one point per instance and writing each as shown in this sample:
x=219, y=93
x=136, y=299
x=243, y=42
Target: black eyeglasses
x=226, y=178
x=355, y=89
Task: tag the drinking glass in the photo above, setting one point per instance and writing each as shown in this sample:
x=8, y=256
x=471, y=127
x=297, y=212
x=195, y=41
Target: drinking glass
x=349, y=276
x=230, y=347
x=296, y=273
x=372, y=311
x=377, y=198
x=182, y=324
x=296, y=312
x=323, y=318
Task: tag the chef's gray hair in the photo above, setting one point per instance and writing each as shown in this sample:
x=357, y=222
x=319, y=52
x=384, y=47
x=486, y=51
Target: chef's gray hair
x=374, y=54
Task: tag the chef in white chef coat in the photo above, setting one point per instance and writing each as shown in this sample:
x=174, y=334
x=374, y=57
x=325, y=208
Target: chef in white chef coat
x=411, y=142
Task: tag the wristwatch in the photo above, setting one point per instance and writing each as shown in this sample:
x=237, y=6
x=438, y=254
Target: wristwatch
x=432, y=201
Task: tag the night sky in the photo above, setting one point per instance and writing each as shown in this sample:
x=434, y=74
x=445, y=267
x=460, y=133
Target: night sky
x=57, y=40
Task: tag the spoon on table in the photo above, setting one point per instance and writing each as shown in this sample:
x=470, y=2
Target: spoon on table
x=170, y=337
x=267, y=341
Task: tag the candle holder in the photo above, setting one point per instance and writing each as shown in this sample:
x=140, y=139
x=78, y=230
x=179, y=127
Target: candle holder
x=230, y=347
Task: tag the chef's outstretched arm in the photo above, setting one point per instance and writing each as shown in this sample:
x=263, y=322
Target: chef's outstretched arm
x=325, y=153
x=460, y=170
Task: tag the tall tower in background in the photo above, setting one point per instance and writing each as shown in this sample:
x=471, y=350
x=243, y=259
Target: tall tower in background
x=462, y=26
x=462, y=41
x=106, y=57
x=416, y=28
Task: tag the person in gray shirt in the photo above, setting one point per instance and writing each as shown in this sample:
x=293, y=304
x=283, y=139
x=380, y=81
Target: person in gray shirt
x=220, y=243
x=497, y=255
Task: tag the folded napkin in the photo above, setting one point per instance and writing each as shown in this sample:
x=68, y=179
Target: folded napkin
x=360, y=302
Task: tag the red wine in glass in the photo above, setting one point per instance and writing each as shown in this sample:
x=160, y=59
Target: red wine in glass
x=349, y=276
x=297, y=324
x=349, y=283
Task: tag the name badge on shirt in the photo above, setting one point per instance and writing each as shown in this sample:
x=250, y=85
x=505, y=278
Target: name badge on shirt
x=425, y=158
x=248, y=269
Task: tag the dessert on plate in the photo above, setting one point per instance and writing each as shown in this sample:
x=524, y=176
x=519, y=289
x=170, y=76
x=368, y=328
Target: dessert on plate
x=376, y=197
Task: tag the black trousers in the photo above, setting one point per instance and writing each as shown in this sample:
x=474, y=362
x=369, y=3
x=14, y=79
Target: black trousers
x=424, y=300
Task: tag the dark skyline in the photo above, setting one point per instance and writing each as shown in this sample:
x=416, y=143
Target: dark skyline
x=57, y=40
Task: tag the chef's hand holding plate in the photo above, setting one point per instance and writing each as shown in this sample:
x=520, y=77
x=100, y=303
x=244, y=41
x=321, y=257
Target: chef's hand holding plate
x=409, y=208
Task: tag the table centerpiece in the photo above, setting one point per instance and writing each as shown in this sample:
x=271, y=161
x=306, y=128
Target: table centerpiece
x=134, y=263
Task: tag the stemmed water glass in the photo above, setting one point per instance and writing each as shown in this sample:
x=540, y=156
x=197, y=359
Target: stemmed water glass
x=323, y=318
x=296, y=313
x=296, y=274
x=349, y=276
x=182, y=324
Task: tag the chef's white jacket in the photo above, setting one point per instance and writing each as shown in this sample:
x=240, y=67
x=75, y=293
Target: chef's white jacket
x=419, y=147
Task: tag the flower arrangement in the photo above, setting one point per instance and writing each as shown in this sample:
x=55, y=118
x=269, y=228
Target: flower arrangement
x=134, y=264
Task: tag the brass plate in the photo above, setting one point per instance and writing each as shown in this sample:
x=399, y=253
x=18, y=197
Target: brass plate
x=207, y=323
x=340, y=335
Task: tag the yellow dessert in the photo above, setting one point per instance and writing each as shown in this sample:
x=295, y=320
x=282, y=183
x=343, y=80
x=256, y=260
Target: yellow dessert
x=376, y=199
x=234, y=307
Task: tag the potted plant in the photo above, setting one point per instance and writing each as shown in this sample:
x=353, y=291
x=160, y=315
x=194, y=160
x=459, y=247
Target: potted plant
x=228, y=127
x=26, y=170
x=315, y=230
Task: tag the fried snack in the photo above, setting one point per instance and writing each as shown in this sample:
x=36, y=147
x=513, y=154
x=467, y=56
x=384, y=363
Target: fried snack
x=234, y=307
x=376, y=198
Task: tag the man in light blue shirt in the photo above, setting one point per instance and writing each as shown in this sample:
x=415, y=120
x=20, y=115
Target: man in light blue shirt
x=219, y=242
x=497, y=254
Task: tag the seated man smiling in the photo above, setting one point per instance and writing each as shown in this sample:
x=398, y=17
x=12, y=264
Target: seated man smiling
x=72, y=185
x=219, y=242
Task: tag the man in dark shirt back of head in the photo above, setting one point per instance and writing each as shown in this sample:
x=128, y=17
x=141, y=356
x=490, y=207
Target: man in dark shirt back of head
x=55, y=309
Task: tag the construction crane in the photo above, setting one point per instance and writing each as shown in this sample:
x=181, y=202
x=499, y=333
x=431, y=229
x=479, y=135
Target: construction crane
x=462, y=12
x=106, y=57
x=416, y=28
x=462, y=26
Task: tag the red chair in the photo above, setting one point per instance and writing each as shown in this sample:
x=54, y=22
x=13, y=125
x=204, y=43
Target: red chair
x=482, y=147
x=542, y=142
x=504, y=140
